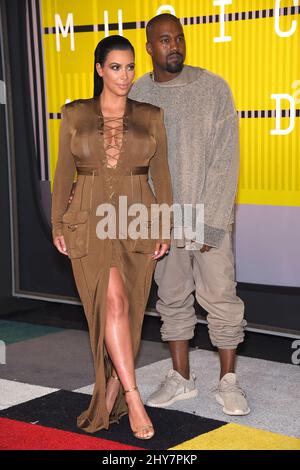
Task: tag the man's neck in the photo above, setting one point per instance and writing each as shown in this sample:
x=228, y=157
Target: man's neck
x=163, y=75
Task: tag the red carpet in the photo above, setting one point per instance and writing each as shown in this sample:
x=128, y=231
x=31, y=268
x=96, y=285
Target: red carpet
x=17, y=435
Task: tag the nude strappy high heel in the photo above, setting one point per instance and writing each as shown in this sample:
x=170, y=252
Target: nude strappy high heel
x=141, y=428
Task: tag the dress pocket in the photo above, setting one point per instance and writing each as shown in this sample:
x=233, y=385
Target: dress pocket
x=76, y=233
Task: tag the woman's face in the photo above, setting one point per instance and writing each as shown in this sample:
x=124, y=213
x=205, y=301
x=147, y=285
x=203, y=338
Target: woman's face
x=117, y=72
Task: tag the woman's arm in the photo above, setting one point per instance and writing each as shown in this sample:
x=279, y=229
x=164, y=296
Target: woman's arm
x=159, y=168
x=64, y=175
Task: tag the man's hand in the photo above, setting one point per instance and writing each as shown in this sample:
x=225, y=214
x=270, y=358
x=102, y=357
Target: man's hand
x=59, y=243
x=72, y=193
x=205, y=248
x=160, y=250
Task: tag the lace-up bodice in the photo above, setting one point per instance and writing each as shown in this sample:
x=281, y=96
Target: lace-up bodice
x=113, y=136
x=114, y=131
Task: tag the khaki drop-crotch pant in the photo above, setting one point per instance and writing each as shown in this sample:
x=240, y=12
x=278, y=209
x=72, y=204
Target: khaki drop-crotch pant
x=212, y=276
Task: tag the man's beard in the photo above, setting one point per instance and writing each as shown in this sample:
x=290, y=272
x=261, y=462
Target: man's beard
x=175, y=67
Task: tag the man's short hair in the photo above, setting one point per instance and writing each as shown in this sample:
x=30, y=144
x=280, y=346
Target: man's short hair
x=157, y=19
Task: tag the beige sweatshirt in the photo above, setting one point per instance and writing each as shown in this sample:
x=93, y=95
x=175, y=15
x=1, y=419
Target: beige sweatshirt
x=202, y=130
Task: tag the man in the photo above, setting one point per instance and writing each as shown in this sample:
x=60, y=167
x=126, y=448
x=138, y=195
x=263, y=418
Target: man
x=202, y=131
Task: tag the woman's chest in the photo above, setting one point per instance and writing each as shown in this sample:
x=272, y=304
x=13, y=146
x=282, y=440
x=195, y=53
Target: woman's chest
x=98, y=138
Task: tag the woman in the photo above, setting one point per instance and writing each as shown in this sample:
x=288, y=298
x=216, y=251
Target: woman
x=111, y=142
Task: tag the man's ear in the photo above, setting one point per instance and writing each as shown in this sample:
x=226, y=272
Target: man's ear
x=149, y=48
x=99, y=69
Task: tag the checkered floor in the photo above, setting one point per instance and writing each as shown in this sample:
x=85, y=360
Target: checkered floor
x=46, y=381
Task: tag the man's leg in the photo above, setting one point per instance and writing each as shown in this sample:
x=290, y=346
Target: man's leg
x=174, y=278
x=227, y=360
x=180, y=357
x=214, y=276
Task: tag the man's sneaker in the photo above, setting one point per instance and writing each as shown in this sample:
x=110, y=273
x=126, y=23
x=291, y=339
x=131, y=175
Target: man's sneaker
x=230, y=395
x=174, y=388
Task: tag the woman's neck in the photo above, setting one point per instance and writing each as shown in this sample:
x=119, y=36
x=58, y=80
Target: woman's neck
x=112, y=105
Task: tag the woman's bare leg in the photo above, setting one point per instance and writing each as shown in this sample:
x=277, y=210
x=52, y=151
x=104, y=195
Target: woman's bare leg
x=119, y=346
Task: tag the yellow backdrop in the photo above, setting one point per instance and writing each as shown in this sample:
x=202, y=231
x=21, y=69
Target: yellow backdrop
x=256, y=62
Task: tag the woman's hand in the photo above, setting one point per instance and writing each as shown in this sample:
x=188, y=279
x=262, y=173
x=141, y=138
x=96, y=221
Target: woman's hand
x=59, y=243
x=160, y=250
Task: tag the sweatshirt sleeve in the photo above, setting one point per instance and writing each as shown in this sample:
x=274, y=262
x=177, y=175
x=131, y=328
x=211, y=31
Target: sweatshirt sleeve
x=159, y=168
x=222, y=174
x=64, y=175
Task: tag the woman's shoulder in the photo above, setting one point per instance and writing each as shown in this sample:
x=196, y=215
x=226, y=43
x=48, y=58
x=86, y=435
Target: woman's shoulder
x=78, y=105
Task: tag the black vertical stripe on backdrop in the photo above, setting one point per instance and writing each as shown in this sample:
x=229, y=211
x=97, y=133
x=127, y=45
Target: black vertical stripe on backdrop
x=31, y=46
x=43, y=91
x=33, y=70
x=5, y=250
x=42, y=270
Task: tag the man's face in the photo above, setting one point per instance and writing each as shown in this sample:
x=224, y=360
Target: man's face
x=167, y=46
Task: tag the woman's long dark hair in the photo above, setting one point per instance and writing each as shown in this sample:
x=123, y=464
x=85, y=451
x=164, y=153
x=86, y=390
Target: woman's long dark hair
x=104, y=47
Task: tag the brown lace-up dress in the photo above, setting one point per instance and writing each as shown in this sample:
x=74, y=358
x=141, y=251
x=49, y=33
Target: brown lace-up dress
x=112, y=157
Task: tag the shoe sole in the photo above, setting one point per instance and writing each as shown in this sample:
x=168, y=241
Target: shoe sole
x=182, y=396
x=231, y=413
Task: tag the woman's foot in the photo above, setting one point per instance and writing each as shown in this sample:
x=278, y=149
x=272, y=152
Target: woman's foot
x=139, y=420
x=112, y=390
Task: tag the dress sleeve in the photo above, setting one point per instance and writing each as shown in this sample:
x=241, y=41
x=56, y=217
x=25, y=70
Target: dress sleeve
x=159, y=168
x=64, y=175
